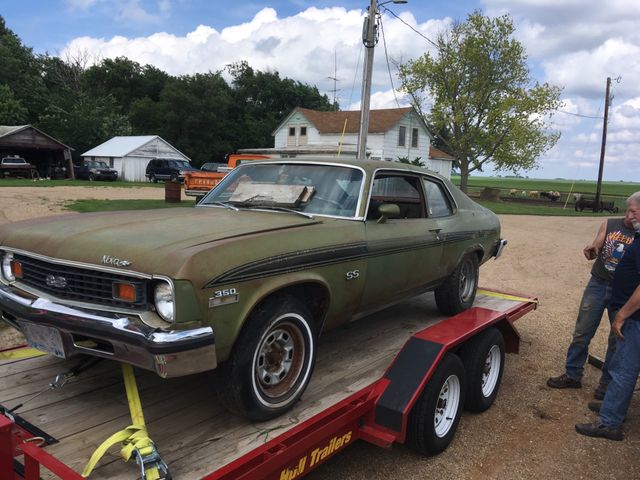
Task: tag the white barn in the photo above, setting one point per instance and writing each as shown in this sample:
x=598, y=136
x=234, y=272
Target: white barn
x=130, y=155
x=394, y=133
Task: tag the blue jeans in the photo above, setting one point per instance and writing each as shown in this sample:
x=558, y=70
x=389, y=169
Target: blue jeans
x=594, y=301
x=624, y=368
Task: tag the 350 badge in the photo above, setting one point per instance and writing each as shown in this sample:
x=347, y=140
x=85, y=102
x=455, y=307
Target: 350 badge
x=224, y=297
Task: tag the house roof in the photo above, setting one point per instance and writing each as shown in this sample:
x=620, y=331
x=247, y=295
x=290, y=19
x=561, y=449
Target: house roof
x=8, y=130
x=439, y=154
x=119, y=146
x=380, y=121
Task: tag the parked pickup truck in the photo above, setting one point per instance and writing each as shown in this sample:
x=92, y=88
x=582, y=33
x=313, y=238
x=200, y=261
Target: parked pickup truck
x=197, y=184
x=16, y=167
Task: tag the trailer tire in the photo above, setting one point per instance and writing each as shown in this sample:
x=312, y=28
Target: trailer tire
x=434, y=418
x=483, y=359
x=458, y=291
x=271, y=361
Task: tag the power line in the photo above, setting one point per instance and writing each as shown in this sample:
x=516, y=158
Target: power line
x=419, y=33
x=578, y=115
x=386, y=56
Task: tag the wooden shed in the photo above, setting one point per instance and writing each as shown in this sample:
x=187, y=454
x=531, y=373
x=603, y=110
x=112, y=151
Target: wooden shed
x=51, y=157
x=129, y=155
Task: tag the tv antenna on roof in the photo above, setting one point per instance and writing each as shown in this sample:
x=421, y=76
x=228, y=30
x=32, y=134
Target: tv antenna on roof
x=335, y=79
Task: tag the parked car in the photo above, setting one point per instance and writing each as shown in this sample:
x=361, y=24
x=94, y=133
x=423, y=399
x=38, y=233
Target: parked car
x=16, y=167
x=168, y=169
x=215, y=167
x=94, y=170
x=273, y=256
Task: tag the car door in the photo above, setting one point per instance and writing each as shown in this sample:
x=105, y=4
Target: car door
x=441, y=210
x=404, y=254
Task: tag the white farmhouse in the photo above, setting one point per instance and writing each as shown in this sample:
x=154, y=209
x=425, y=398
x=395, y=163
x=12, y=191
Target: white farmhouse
x=394, y=133
x=130, y=155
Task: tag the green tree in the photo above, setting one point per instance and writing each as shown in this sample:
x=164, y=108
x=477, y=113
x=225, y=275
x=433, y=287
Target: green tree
x=483, y=96
x=263, y=99
x=20, y=74
x=12, y=112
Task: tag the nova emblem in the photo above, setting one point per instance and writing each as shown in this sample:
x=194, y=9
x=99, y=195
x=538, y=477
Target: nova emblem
x=116, y=262
x=57, y=282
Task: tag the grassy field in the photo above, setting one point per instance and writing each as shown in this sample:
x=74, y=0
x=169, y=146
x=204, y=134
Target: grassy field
x=84, y=206
x=23, y=182
x=609, y=189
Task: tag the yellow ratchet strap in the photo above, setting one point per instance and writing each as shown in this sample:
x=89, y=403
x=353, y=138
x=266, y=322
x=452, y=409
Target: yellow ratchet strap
x=134, y=438
x=506, y=296
x=21, y=353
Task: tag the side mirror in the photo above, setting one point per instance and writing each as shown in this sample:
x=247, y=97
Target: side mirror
x=388, y=210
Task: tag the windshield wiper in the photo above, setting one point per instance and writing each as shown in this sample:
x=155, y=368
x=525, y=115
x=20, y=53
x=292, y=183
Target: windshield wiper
x=223, y=204
x=283, y=209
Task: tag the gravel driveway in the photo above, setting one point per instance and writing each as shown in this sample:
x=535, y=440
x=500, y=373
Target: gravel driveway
x=528, y=433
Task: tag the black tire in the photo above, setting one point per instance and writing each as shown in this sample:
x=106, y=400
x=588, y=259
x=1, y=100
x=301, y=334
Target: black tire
x=173, y=178
x=91, y=178
x=152, y=178
x=483, y=359
x=278, y=340
x=434, y=418
x=458, y=291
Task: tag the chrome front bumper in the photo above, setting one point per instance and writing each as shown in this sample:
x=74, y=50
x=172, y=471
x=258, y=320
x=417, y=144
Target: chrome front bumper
x=109, y=335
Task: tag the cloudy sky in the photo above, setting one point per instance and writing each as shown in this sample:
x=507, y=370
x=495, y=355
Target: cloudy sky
x=575, y=44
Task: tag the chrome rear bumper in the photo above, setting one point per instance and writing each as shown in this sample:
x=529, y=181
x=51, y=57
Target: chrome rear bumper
x=172, y=353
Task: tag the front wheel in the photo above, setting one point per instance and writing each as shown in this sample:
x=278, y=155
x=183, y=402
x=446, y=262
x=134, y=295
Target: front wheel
x=434, y=417
x=458, y=291
x=483, y=359
x=152, y=178
x=271, y=362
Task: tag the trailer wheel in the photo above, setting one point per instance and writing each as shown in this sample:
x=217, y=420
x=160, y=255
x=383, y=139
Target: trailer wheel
x=483, y=359
x=434, y=417
x=271, y=362
x=458, y=291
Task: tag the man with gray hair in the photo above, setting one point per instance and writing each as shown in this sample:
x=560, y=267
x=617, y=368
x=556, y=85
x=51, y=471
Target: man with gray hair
x=607, y=249
x=624, y=365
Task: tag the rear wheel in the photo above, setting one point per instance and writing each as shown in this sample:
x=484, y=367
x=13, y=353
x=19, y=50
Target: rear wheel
x=458, y=291
x=434, y=417
x=152, y=178
x=483, y=359
x=271, y=362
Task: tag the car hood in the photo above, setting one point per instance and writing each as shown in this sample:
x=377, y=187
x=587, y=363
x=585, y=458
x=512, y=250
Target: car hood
x=154, y=241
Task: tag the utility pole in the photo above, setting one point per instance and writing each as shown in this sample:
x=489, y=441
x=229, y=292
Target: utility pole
x=369, y=41
x=596, y=203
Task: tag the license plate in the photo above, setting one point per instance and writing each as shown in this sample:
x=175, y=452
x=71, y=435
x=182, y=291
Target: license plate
x=43, y=338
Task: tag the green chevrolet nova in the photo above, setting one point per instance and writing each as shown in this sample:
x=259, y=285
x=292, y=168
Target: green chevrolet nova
x=246, y=281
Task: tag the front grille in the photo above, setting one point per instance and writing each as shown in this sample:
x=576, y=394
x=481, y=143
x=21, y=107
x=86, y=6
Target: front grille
x=80, y=284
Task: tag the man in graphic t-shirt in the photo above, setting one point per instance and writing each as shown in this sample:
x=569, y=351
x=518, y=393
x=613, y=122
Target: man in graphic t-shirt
x=612, y=239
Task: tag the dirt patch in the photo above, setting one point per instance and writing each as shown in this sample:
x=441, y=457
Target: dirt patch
x=528, y=433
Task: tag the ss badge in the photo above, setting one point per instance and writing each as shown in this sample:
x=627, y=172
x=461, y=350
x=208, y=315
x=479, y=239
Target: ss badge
x=353, y=274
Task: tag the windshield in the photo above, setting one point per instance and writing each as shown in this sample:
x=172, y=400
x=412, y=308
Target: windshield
x=98, y=164
x=179, y=164
x=309, y=188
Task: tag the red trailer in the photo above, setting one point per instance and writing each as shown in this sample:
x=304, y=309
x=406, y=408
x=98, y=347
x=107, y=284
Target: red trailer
x=402, y=375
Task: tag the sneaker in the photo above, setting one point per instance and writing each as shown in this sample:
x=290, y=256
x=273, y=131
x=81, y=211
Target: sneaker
x=600, y=390
x=597, y=429
x=563, y=381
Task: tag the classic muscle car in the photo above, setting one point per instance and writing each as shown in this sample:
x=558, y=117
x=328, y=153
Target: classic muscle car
x=277, y=253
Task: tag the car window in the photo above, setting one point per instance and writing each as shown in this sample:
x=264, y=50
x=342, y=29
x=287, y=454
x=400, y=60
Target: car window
x=401, y=190
x=438, y=204
x=310, y=188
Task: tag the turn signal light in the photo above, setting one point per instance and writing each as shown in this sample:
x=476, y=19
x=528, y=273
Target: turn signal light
x=124, y=291
x=16, y=268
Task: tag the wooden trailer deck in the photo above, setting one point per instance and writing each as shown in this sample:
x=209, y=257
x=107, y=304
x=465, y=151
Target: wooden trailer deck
x=195, y=435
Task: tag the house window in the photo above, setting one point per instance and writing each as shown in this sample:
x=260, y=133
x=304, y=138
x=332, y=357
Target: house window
x=303, y=136
x=402, y=136
x=414, y=138
x=291, y=139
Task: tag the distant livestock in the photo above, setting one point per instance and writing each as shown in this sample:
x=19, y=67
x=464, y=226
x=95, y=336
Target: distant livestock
x=551, y=195
x=534, y=194
x=513, y=192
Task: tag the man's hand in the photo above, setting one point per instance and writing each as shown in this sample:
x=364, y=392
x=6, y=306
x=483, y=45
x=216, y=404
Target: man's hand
x=616, y=326
x=590, y=252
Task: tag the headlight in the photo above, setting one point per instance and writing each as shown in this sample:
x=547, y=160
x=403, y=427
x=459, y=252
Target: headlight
x=7, y=271
x=165, y=304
